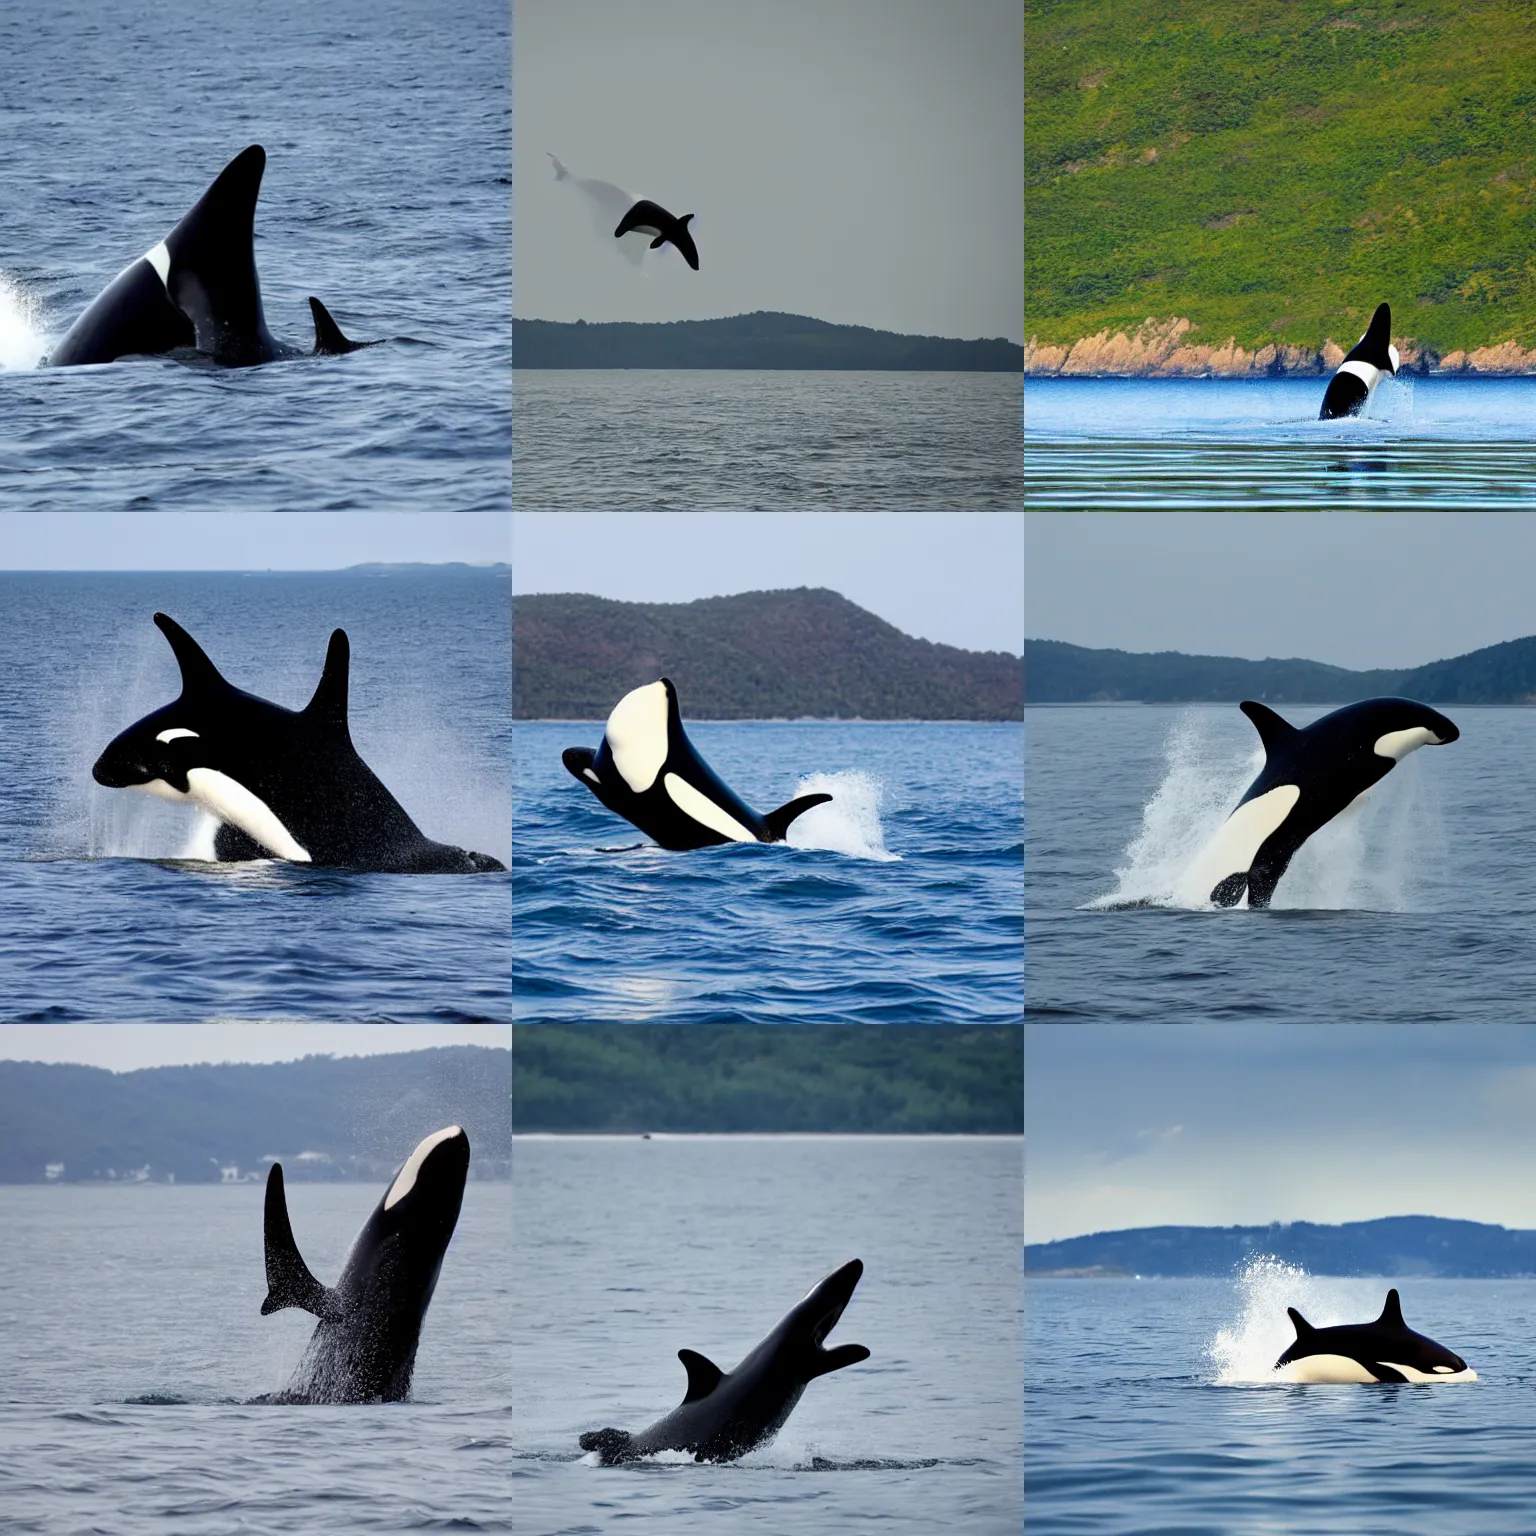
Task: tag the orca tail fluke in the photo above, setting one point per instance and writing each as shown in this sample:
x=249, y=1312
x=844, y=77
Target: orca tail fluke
x=611, y=1444
x=560, y=171
x=329, y=341
x=289, y=1282
x=777, y=822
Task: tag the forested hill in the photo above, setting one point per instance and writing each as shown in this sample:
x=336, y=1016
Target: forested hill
x=322, y=1117
x=803, y=653
x=1058, y=673
x=1397, y=1245
x=1272, y=172
x=760, y=340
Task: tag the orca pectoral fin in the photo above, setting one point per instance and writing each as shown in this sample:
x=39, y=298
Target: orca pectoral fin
x=703, y=1374
x=611, y=1444
x=289, y=1282
x=777, y=822
x=1384, y=1372
x=1228, y=892
x=232, y=845
x=836, y=1359
x=329, y=341
x=658, y=242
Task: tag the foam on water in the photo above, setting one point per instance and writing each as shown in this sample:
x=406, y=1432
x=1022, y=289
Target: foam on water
x=1245, y=1351
x=23, y=343
x=849, y=823
x=1372, y=856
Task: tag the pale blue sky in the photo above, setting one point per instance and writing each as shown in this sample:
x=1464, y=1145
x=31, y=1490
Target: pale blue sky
x=952, y=577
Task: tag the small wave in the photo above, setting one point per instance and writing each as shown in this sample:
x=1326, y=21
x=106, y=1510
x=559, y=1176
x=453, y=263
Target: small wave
x=23, y=343
x=849, y=823
x=156, y=1400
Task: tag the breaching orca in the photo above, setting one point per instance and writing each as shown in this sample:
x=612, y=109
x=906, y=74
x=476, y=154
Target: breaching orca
x=647, y=771
x=1350, y=389
x=648, y=218
x=1310, y=774
x=364, y=1346
x=726, y=1414
x=284, y=783
x=197, y=289
x=1386, y=1350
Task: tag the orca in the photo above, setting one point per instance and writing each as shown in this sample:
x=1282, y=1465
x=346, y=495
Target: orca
x=647, y=771
x=1350, y=389
x=723, y=1414
x=1386, y=1350
x=284, y=783
x=648, y=218
x=363, y=1349
x=1310, y=774
x=195, y=291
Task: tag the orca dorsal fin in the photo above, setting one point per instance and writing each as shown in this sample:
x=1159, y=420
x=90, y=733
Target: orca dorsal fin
x=289, y=1282
x=703, y=1375
x=198, y=674
x=329, y=341
x=1392, y=1312
x=329, y=704
x=777, y=822
x=1271, y=728
x=1303, y=1327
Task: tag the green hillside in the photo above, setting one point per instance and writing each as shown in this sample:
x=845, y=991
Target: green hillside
x=804, y=653
x=1272, y=169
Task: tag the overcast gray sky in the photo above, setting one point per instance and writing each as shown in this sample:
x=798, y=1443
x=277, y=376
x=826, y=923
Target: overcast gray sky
x=952, y=577
x=126, y=1047
x=1385, y=589
x=1142, y=1125
x=860, y=161
x=245, y=541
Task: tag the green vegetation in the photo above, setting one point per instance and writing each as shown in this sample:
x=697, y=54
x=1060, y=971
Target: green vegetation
x=758, y=655
x=1272, y=169
x=359, y=1117
x=1057, y=673
x=1421, y=1246
x=771, y=1077
x=759, y=340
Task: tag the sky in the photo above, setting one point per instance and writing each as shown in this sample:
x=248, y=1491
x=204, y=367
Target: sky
x=1205, y=1125
x=1355, y=589
x=245, y=541
x=860, y=161
x=127, y=1047
x=950, y=577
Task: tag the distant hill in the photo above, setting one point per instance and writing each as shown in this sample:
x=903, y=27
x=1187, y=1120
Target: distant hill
x=1058, y=673
x=778, y=1077
x=764, y=339
x=805, y=653
x=1426, y=1246
x=358, y=1117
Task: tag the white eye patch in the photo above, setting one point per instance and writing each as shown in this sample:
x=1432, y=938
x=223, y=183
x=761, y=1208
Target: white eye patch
x=174, y=732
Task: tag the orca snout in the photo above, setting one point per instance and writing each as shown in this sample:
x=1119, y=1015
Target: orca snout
x=119, y=768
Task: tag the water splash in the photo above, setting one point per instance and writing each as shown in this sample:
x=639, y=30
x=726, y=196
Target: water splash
x=849, y=823
x=1373, y=856
x=1245, y=1352
x=23, y=343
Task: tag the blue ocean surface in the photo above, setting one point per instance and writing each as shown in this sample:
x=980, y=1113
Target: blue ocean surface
x=1444, y=443
x=900, y=902
x=134, y=1345
x=766, y=440
x=1418, y=904
x=629, y=1250
x=386, y=195
x=1147, y=1409
x=109, y=910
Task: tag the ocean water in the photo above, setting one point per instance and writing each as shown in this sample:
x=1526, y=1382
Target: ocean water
x=706, y=438
x=628, y=1250
x=134, y=1345
x=898, y=903
x=107, y=912
x=387, y=194
x=1415, y=906
x=1147, y=1410
x=1444, y=443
